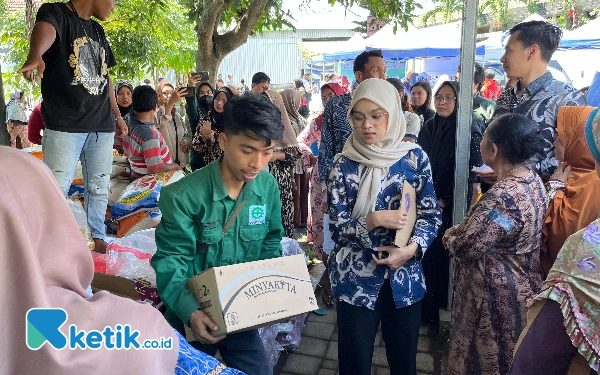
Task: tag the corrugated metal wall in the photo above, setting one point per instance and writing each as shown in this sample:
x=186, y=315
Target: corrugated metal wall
x=275, y=53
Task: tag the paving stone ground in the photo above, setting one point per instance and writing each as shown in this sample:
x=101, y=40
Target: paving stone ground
x=317, y=353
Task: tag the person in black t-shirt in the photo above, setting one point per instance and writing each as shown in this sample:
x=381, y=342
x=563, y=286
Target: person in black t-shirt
x=71, y=54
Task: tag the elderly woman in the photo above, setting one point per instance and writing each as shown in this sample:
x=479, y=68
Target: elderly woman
x=563, y=331
x=438, y=139
x=374, y=281
x=574, y=188
x=496, y=249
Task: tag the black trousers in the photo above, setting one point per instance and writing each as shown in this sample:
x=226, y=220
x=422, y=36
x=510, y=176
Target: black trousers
x=357, y=328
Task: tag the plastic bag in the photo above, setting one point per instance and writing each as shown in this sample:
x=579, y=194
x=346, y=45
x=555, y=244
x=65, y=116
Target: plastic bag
x=291, y=247
x=130, y=256
x=82, y=223
x=142, y=194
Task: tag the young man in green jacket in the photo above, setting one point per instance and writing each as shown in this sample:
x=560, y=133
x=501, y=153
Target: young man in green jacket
x=190, y=237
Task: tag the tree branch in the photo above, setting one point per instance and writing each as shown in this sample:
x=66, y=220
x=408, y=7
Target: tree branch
x=235, y=38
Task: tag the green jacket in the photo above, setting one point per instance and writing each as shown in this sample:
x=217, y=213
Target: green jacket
x=194, y=211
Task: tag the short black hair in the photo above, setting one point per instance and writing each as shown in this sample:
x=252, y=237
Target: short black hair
x=361, y=61
x=304, y=111
x=398, y=85
x=147, y=81
x=144, y=99
x=254, y=117
x=478, y=76
x=259, y=78
x=546, y=35
x=517, y=137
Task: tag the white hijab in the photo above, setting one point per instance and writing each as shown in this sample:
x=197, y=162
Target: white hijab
x=379, y=157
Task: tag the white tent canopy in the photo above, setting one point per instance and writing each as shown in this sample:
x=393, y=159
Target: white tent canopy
x=356, y=43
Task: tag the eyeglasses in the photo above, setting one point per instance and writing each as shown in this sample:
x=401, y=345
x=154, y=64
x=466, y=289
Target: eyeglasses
x=375, y=120
x=444, y=99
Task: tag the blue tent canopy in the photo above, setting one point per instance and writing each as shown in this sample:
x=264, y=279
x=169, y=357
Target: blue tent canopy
x=403, y=54
x=580, y=44
x=424, y=53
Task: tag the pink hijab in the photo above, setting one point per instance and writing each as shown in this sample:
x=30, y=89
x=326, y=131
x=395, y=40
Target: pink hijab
x=46, y=263
x=337, y=90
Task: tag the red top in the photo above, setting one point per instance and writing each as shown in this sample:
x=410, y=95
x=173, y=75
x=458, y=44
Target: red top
x=35, y=126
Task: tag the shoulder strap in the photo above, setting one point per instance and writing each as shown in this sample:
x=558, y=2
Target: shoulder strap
x=226, y=227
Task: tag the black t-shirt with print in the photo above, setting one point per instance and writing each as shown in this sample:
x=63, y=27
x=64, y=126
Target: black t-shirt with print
x=75, y=84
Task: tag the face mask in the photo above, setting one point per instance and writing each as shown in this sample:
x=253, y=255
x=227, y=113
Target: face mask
x=206, y=101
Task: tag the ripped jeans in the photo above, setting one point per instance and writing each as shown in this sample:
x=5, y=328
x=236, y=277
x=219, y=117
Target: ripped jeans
x=62, y=151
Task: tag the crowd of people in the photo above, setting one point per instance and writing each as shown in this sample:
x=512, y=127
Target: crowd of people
x=377, y=160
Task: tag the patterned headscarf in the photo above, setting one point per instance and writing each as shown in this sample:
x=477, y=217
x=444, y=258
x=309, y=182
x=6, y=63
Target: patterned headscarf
x=592, y=135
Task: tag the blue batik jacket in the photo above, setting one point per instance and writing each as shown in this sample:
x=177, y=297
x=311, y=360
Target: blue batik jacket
x=357, y=279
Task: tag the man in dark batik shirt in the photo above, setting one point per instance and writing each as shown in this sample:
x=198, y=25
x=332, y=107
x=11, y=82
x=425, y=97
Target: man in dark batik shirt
x=537, y=94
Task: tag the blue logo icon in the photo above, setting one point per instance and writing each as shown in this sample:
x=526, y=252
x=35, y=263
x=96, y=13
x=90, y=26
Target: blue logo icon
x=43, y=325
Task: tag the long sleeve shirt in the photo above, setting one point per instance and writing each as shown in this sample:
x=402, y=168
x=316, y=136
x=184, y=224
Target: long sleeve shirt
x=192, y=217
x=357, y=279
x=336, y=131
x=540, y=102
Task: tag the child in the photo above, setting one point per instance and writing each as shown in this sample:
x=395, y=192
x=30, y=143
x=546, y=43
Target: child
x=71, y=54
x=144, y=145
x=374, y=281
x=191, y=236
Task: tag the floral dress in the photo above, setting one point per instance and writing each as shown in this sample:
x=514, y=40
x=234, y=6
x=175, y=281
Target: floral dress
x=497, y=269
x=283, y=171
x=310, y=135
x=209, y=148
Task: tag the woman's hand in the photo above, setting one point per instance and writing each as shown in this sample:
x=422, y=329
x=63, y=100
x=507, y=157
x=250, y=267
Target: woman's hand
x=449, y=233
x=562, y=172
x=206, y=131
x=441, y=204
x=390, y=219
x=193, y=80
x=397, y=256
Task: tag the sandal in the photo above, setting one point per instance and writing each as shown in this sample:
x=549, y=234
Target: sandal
x=327, y=294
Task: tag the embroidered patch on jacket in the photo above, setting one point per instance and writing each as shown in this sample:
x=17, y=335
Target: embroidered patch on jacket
x=257, y=214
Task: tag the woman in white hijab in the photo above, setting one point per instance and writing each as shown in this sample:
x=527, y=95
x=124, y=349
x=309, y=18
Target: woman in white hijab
x=374, y=281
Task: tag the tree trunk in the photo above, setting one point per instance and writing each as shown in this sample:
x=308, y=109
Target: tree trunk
x=213, y=47
x=4, y=137
x=29, y=16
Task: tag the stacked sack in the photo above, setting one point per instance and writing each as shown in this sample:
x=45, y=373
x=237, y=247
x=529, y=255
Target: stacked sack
x=137, y=206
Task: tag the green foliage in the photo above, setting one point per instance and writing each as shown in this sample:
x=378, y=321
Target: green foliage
x=501, y=12
x=143, y=34
x=397, y=12
x=3, y=7
x=14, y=36
x=150, y=33
x=448, y=10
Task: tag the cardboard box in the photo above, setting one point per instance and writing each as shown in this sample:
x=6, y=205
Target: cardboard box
x=408, y=205
x=138, y=289
x=117, y=285
x=249, y=295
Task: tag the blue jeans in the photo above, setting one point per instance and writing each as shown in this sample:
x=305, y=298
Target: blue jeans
x=62, y=151
x=242, y=351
